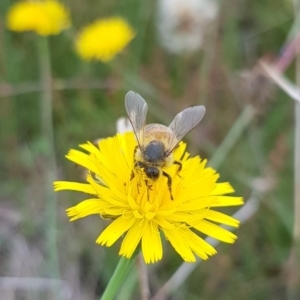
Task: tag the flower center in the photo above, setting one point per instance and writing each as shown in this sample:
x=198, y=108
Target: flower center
x=145, y=211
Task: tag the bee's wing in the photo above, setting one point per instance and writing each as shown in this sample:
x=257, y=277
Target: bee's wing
x=136, y=108
x=183, y=123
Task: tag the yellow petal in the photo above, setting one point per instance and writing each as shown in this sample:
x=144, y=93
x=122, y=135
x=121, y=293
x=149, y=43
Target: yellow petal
x=227, y=201
x=114, y=231
x=215, y=231
x=89, y=147
x=221, y=218
x=197, y=204
x=222, y=189
x=175, y=237
x=73, y=186
x=132, y=239
x=86, y=208
x=200, y=247
x=151, y=244
x=82, y=159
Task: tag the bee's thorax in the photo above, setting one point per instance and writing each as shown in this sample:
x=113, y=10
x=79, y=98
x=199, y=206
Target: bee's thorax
x=154, y=152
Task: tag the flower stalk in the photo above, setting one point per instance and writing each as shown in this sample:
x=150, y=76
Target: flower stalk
x=294, y=284
x=294, y=289
x=118, y=277
x=48, y=139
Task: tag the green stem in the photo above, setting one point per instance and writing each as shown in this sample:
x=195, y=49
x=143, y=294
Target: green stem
x=118, y=277
x=293, y=287
x=232, y=136
x=294, y=260
x=50, y=172
x=297, y=164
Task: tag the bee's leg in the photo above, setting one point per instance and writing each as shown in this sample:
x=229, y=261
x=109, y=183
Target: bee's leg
x=149, y=187
x=146, y=182
x=138, y=187
x=135, y=149
x=169, y=183
x=135, y=162
x=132, y=175
x=132, y=172
x=179, y=163
x=138, y=164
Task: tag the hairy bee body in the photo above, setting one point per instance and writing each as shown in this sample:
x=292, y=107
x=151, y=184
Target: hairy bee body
x=154, y=151
x=157, y=142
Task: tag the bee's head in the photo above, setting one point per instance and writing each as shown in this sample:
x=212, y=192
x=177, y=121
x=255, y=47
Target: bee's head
x=152, y=172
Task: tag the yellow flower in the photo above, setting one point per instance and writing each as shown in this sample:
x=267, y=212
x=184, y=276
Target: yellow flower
x=43, y=17
x=103, y=39
x=141, y=213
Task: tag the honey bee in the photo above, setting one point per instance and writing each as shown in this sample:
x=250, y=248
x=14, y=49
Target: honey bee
x=157, y=142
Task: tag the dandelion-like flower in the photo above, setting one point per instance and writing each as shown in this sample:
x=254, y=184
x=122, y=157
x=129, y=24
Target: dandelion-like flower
x=140, y=213
x=103, y=39
x=182, y=25
x=47, y=17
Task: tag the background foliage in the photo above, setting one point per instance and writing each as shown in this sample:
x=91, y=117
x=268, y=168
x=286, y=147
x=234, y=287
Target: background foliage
x=89, y=98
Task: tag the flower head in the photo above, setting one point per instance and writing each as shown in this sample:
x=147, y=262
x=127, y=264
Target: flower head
x=45, y=17
x=103, y=39
x=142, y=211
x=182, y=25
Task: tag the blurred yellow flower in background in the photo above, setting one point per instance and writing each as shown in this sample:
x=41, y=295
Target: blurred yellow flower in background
x=142, y=214
x=48, y=17
x=103, y=39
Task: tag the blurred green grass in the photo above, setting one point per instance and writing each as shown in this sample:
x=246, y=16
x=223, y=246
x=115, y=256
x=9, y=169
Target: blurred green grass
x=254, y=266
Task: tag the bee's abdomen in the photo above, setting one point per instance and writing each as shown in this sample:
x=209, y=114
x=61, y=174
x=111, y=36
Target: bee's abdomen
x=154, y=153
